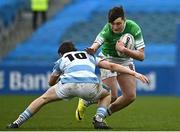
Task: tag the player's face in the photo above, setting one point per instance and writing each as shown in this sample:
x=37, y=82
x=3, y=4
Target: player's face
x=118, y=25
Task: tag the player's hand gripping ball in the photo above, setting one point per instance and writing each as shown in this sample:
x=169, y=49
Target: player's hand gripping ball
x=125, y=41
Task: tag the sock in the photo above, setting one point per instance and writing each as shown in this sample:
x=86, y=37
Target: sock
x=23, y=117
x=88, y=103
x=109, y=112
x=101, y=113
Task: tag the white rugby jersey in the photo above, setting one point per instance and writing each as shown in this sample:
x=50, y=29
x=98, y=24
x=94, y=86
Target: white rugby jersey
x=77, y=67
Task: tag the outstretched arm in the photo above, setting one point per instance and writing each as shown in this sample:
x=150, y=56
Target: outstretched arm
x=119, y=68
x=92, y=50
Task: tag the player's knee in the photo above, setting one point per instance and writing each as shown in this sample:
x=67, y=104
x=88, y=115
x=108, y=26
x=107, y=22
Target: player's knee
x=131, y=97
x=44, y=99
x=113, y=98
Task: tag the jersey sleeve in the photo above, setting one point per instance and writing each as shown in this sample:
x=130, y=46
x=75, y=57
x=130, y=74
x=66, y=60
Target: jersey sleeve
x=101, y=36
x=56, y=68
x=139, y=41
x=98, y=59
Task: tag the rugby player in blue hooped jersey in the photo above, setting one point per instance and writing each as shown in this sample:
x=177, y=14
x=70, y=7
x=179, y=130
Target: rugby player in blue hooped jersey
x=74, y=76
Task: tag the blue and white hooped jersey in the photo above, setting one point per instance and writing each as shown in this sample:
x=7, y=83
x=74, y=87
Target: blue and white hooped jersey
x=77, y=67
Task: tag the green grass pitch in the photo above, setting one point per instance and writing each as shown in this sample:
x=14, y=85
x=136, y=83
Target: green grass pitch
x=148, y=113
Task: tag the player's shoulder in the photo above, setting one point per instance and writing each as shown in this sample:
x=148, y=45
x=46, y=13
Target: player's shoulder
x=131, y=23
x=58, y=61
x=106, y=28
x=132, y=27
x=107, y=31
x=99, y=59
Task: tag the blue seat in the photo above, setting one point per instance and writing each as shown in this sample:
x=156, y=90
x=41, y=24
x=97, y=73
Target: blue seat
x=43, y=43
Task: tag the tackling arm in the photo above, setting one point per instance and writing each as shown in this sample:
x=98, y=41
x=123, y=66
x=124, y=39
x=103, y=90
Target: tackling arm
x=53, y=79
x=119, y=68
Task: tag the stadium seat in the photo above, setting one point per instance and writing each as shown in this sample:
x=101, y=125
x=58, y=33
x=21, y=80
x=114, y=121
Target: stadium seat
x=90, y=21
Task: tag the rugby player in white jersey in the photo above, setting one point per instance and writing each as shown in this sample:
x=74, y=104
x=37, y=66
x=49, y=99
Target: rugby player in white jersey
x=74, y=76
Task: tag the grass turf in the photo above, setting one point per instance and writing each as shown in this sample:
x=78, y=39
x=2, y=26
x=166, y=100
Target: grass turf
x=148, y=113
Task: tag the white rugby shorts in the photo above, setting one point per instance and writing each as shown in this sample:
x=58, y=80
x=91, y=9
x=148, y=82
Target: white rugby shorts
x=87, y=91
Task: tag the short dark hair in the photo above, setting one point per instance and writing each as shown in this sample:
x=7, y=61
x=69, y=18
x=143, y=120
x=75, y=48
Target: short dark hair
x=115, y=13
x=66, y=46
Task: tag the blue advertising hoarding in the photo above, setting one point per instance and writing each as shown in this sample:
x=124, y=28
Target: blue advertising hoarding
x=33, y=79
x=24, y=79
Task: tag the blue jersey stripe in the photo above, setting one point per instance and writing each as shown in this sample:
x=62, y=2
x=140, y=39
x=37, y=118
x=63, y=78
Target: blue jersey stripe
x=97, y=72
x=93, y=60
x=56, y=66
x=80, y=70
x=80, y=80
x=77, y=68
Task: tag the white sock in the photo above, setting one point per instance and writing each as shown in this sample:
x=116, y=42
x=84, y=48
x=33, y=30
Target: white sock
x=23, y=117
x=101, y=113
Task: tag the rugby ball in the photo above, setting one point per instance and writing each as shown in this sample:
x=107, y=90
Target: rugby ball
x=128, y=41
